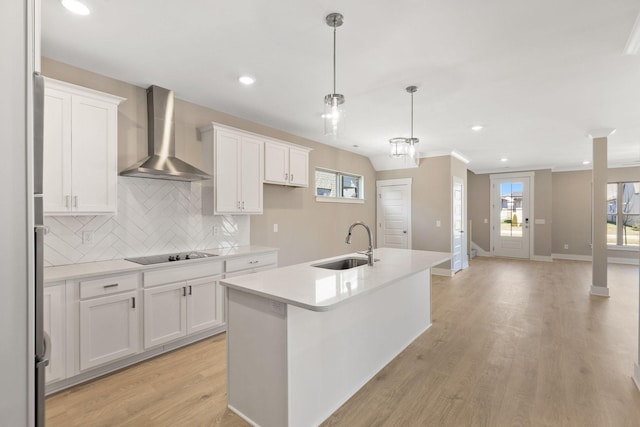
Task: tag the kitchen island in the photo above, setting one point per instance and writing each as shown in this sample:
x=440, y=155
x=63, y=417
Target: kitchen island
x=301, y=340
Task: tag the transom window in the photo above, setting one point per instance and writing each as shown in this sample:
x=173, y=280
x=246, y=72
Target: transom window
x=338, y=186
x=623, y=214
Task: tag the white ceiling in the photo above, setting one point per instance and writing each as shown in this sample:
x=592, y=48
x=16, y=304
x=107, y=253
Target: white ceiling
x=538, y=75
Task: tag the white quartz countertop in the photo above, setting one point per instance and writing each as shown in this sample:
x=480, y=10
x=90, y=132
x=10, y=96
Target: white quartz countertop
x=320, y=289
x=89, y=269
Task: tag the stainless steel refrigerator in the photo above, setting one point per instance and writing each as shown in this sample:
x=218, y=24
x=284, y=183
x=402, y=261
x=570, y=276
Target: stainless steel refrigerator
x=42, y=342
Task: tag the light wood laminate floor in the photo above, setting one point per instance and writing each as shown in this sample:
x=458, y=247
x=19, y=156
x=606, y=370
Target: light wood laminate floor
x=513, y=343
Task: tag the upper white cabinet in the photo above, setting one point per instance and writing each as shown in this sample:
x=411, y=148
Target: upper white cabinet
x=286, y=164
x=80, y=150
x=236, y=160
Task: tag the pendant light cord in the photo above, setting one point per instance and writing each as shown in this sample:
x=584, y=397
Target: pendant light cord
x=411, y=118
x=334, y=57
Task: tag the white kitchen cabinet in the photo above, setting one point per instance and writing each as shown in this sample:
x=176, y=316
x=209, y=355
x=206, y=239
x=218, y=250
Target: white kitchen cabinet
x=286, y=164
x=203, y=304
x=164, y=314
x=236, y=160
x=108, y=328
x=178, y=309
x=80, y=150
x=54, y=316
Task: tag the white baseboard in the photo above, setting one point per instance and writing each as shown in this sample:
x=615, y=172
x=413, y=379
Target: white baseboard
x=599, y=291
x=479, y=250
x=542, y=258
x=572, y=257
x=628, y=261
x=610, y=260
x=636, y=375
x=442, y=272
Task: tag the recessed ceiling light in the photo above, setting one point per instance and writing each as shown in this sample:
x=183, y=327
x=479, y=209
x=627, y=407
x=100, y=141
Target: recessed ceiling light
x=477, y=128
x=586, y=162
x=503, y=159
x=246, y=80
x=76, y=7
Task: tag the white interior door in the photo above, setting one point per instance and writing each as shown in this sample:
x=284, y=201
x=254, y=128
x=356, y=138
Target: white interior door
x=394, y=214
x=511, y=209
x=457, y=237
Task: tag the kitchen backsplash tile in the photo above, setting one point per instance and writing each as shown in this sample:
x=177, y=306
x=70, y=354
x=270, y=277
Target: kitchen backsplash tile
x=154, y=217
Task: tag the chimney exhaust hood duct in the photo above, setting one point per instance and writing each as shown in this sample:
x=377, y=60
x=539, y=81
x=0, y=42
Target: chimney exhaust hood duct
x=162, y=162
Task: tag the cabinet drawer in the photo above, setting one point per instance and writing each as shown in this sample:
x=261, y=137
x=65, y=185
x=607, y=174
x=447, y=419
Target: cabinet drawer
x=253, y=261
x=181, y=274
x=108, y=285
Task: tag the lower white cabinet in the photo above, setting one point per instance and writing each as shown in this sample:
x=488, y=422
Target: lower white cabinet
x=178, y=309
x=203, y=304
x=164, y=314
x=108, y=328
x=54, y=314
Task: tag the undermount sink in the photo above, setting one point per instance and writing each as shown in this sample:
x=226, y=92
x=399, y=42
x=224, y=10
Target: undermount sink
x=342, y=264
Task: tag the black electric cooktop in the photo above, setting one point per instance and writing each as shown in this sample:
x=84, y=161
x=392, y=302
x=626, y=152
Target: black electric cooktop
x=158, y=259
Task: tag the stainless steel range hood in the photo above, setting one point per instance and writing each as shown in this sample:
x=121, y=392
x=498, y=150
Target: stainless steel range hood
x=162, y=162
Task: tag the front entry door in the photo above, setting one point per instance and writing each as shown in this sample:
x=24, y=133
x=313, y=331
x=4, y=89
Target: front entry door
x=394, y=214
x=511, y=216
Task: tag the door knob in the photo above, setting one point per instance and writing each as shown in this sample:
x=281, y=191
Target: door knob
x=404, y=231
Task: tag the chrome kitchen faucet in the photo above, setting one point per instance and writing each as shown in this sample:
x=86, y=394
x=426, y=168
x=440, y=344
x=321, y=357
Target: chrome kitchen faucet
x=368, y=253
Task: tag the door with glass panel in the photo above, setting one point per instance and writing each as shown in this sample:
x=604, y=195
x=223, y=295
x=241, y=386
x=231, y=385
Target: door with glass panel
x=510, y=203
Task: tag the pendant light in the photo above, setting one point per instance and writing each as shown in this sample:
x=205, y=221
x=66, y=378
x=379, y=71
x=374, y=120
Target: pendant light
x=334, y=102
x=406, y=147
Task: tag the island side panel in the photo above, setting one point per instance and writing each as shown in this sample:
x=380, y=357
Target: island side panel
x=332, y=354
x=257, y=358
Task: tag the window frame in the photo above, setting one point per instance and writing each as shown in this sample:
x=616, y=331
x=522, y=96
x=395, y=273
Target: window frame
x=620, y=217
x=339, y=182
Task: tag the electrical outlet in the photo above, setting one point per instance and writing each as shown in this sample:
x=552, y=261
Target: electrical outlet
x=279, y=308
x=566, y=246
x=216, y=230
x=87, y=237
x=438, y=223
x=275, y=228
x=486, y=221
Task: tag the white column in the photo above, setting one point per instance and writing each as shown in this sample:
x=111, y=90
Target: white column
x=636, y=368
x=599, y=212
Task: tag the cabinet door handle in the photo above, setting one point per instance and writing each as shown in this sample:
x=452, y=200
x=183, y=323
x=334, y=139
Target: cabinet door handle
x=286, y=176
x=184, y=291
x=75, y=201
x=239, y=205
x=253, y=262
x=66, y=201
x=190, y=290
x=113, y=285
x=243, y=205
x=133, y=302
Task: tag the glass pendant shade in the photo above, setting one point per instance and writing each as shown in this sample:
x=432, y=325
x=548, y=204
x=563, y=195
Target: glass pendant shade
x=406, y=148
x=334, y=114
x=399, y=147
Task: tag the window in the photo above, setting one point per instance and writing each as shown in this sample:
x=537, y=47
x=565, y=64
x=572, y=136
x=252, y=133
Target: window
x=333, y=186
x=623, y=214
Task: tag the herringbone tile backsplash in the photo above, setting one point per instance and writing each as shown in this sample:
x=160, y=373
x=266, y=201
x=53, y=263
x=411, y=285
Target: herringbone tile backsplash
x=154, y=217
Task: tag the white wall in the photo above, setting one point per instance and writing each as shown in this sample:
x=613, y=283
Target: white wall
x=14, y=249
